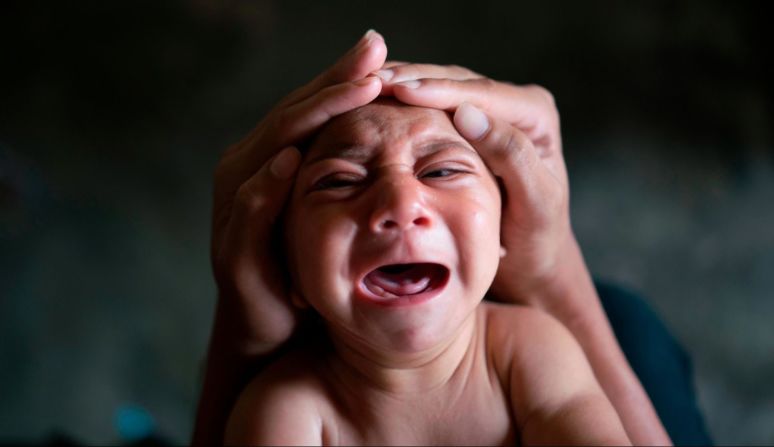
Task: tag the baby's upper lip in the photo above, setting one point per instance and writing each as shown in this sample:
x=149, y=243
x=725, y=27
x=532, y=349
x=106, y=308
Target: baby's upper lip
x=406, y=250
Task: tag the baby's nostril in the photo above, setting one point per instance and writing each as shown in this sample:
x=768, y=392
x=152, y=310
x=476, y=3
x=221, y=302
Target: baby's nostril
x=421, y=221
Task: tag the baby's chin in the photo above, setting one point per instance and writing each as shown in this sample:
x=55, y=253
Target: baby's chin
x=397, y=340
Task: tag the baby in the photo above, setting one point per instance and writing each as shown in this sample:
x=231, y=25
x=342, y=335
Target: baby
x=393, y=238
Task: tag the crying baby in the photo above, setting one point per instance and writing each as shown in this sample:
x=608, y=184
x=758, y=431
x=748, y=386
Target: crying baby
x=393, y=239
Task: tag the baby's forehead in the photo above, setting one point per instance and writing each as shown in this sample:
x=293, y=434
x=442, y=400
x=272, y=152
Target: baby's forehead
x=383, y=121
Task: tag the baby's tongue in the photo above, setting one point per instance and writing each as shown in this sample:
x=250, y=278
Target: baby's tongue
x=400, y=280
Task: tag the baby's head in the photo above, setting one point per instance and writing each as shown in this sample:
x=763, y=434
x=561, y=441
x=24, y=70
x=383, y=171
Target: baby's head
x=393, y=227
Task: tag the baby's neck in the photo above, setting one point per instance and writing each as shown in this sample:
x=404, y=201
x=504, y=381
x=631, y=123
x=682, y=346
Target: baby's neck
x=406, y=373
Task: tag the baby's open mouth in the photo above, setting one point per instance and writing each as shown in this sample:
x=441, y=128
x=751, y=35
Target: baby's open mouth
x=397, y=280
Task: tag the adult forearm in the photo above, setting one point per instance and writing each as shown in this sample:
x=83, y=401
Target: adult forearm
x=223, y=380
x=219, y=392
x=571, y=297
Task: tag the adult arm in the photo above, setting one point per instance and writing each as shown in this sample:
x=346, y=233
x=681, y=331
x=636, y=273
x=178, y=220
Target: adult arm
x=516, y=131
x=253, y=317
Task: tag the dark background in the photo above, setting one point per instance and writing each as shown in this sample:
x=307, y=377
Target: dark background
x=113, y=114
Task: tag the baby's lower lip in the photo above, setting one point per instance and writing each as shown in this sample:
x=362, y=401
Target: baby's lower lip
x=408, y=284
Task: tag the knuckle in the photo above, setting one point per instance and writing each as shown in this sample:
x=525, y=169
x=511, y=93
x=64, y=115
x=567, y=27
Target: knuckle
x=454, y=68
x=487, y=85
x=249, y=199
x=511, y=143
x=283, y=122
x=324, y=108
x=510, y=84
x=512, y=146
x=444, y=83
x=544, y=94
x=463, y=71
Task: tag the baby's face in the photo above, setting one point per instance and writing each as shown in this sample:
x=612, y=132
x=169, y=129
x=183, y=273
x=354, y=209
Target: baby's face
x=393, y=227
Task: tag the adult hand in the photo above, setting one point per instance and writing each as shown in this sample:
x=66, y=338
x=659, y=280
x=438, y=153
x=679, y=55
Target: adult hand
x=249, y=193
x=253, y=316
x=515, y=129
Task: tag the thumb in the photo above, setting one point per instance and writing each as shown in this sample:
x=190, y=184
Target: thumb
x=506, y=150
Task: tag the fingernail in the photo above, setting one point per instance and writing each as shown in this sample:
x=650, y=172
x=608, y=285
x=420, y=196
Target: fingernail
x=365, y=81
x=470, y=121
x=367, y=38
x=370, y=34
x=386, y=75
x=410, y=84
x=285, y=163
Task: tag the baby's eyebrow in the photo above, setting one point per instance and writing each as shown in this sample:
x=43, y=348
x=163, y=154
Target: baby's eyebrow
x=350, y=152
x=360, y=154
x=433, y=146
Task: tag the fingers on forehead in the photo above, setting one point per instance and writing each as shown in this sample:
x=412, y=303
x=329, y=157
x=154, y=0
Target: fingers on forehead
x=300, y=120
x=392, y=64
x=510, y=102
x=446, y=94
x=357, y=63
x=405, y=72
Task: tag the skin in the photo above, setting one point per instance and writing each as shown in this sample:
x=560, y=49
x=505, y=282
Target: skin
x=253, y=316
x=516, y=131
x=389, y=183
x=543, y=266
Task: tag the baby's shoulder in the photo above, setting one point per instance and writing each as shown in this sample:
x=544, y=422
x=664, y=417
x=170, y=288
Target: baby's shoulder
x=510, y=320
x=293, y=375
x=289, y=386
x=514, y=331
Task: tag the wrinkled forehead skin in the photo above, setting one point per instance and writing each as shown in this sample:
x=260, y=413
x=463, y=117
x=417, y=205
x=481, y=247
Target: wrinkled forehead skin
x=380, y=122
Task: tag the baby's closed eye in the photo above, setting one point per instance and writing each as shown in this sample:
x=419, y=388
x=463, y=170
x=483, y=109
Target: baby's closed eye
x=442, y=172
x=337, y=180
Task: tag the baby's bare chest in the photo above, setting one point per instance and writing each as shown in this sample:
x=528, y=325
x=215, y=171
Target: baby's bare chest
x=474, y=414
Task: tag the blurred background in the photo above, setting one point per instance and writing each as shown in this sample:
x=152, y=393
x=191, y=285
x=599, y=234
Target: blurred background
x=113, y=115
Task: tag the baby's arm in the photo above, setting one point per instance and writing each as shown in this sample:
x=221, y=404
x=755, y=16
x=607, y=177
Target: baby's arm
x=275, y=411
x=554, y=394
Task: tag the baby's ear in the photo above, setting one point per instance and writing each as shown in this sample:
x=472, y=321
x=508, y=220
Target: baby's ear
x=297, y=300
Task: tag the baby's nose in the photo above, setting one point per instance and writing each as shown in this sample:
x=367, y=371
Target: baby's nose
x=399, y=205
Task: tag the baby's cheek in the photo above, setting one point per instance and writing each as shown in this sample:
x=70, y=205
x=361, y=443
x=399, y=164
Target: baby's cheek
x=486, y=219
x=477, y=235
x=324, y=249
x=486, y=233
